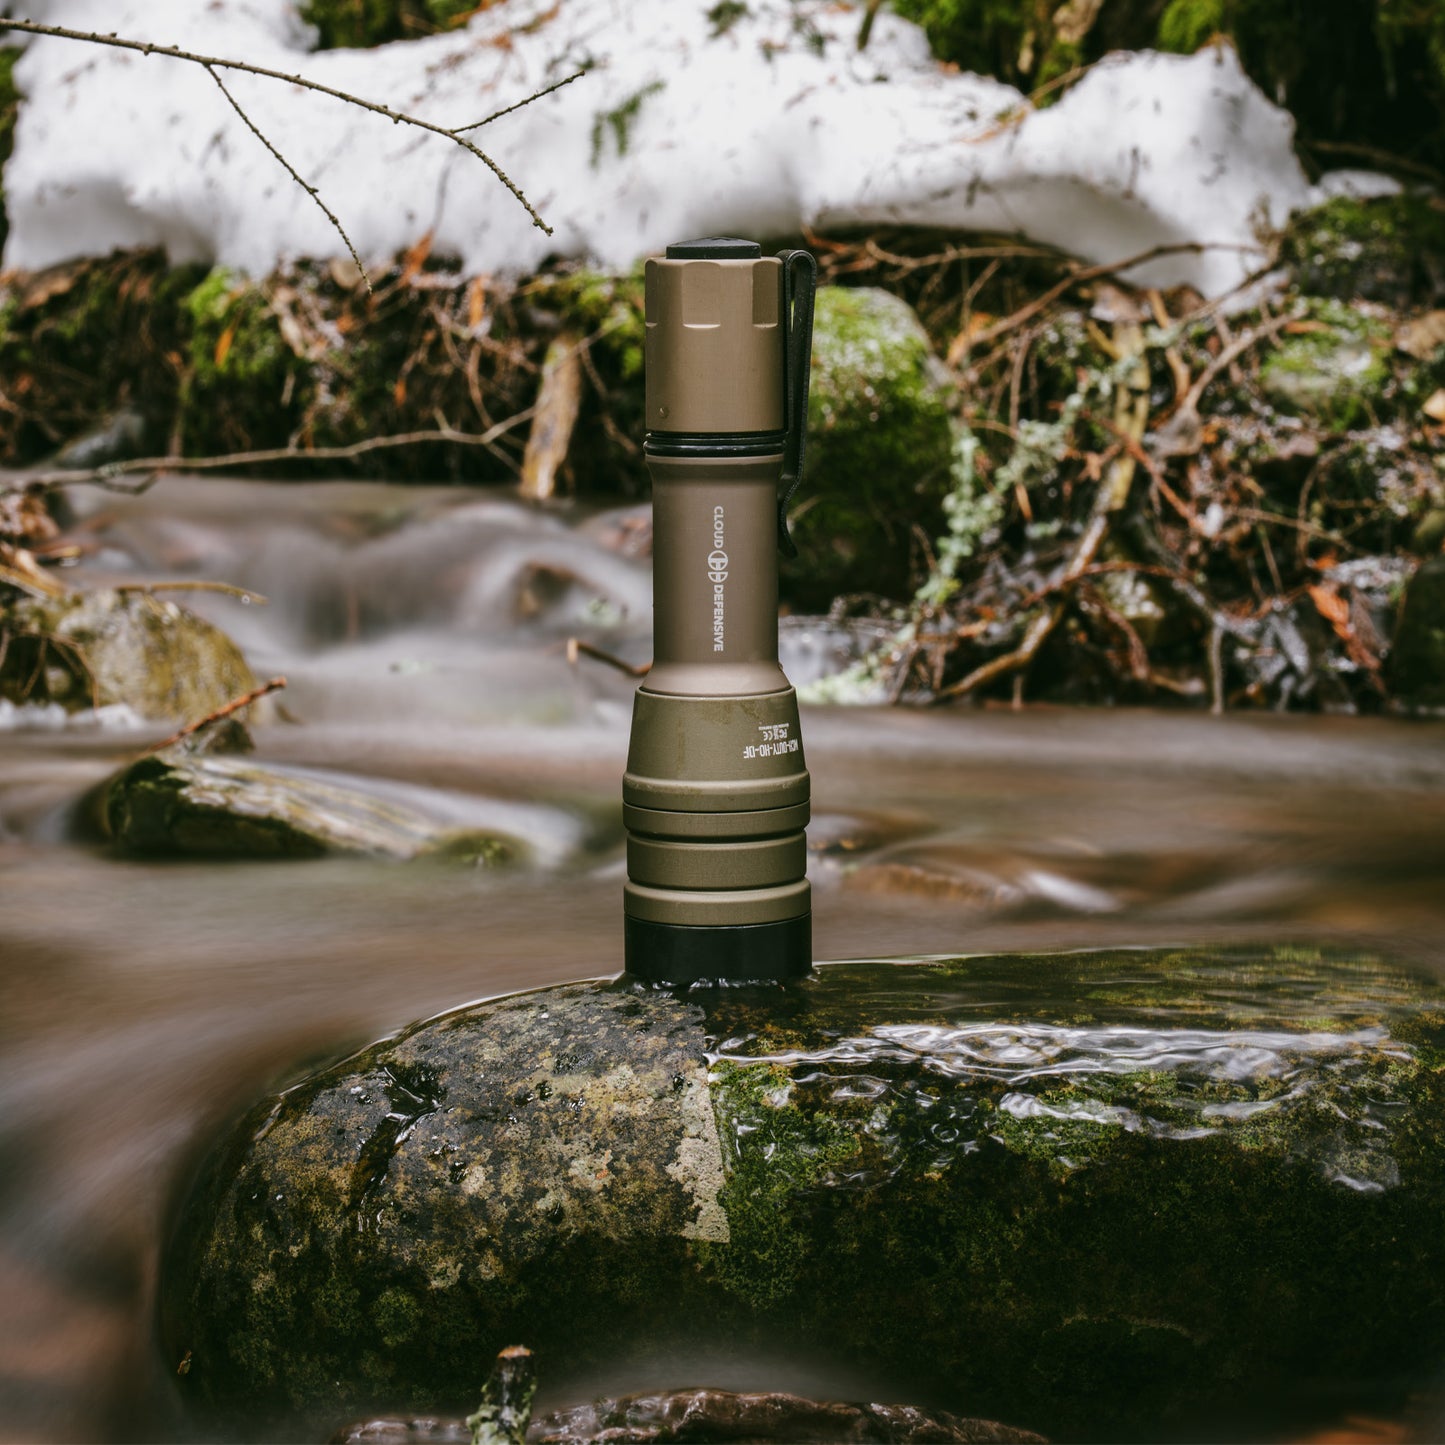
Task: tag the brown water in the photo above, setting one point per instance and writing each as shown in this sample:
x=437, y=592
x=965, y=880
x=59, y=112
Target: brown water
x=141, y=1004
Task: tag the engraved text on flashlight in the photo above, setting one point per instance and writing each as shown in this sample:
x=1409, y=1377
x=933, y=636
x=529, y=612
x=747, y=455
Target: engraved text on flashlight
x=717, y=571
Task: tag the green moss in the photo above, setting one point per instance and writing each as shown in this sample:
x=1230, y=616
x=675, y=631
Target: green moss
x=1338, y=370
x=1383, y=250
x=619, y=122
x=354, y=23
x=243, y=379
x=992, y=37
x=724, y=15
x=1187, y=24
x=1077, y=1191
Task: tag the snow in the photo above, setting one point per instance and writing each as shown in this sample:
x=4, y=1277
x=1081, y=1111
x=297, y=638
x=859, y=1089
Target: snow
x=776, y=124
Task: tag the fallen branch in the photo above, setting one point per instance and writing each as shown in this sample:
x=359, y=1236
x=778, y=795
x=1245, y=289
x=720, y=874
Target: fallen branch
x=224, y=711
x=108, y=475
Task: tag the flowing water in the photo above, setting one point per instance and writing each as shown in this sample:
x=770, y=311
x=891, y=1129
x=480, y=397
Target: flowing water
x=423, y=633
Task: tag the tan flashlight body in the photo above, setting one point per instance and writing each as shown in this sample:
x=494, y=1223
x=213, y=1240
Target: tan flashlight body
x=716, y=793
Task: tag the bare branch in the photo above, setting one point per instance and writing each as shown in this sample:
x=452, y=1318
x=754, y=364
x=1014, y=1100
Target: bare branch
x=291, y=171
x=109, y=474
x=507, y=110
x=221, y=62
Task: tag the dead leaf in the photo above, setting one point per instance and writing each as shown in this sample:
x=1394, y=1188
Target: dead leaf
x=1333, y=608
x=476, y=302
x=398, y=392
x=223, y=346
x=416, y=258
x=1421, y=336
x=1434, y=406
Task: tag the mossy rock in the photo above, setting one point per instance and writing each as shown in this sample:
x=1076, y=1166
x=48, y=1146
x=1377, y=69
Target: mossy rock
x=1104, y=1195
x=880, y=449
x=181, y=803
x=94, y=649
x=1390, y=249
x=1417, y=659
x=1338, y=370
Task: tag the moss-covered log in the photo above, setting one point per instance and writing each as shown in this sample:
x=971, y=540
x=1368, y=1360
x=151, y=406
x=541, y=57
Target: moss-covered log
x=1103, y=1195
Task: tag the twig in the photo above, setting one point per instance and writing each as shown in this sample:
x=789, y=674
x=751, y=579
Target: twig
x=225, y=710
x=507, y=110
x=1093, y=273
x=576, y=648
x=1021, y=656
x=1131, y=409
x=295, y=176
x=397, y=117
x=243, y=593
x=1229, y=356
x=106, y=475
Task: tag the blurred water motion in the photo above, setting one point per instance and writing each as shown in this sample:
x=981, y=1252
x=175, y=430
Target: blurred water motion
x=141, y=1004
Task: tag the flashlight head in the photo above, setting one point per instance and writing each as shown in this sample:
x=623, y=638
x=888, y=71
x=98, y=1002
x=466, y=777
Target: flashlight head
x=714, y=350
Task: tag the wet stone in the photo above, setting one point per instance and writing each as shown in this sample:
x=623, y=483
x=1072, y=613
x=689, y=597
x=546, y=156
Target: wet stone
x=709, y=1415
x=186, y=802
x=95, y=649
x=1104, y=1195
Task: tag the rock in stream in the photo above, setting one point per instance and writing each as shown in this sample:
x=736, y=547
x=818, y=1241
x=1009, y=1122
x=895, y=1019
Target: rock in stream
x=1105, y=1195
x=94, y=649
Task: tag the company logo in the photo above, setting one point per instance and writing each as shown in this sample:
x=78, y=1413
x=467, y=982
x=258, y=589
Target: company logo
x=717, y=573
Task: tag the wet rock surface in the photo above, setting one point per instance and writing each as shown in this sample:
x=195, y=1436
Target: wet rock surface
x=94, y=649
x=707, y=1415
x=1100, y=1195
x=210, y=803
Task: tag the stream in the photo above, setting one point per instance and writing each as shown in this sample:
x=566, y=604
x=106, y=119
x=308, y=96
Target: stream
x=424, y=635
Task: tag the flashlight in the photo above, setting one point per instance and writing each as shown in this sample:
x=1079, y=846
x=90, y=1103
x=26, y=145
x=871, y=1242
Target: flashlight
x=716, y=794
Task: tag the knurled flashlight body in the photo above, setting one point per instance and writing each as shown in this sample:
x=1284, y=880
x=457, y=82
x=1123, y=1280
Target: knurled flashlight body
x=716, y=794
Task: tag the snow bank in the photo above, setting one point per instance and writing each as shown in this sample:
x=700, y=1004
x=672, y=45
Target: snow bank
x=776, y=123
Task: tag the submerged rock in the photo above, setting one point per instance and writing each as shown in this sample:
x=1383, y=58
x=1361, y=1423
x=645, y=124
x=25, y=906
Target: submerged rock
x=1100, y=1195
x=94, y=649
x=182, y=802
